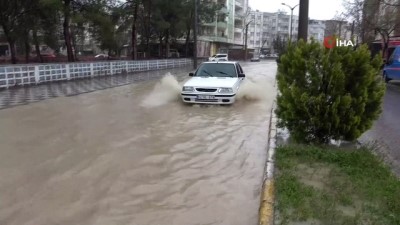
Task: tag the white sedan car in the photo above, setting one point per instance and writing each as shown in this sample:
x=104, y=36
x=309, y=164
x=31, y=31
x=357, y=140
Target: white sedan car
x=218, y=57
x=213, y=83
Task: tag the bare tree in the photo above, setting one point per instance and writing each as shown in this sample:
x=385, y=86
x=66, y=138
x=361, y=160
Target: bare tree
x=387, y=23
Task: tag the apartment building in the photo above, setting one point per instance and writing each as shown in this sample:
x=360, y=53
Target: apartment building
x=265, y=27
x=339, y=28
x=227, y=29
x=316, y=30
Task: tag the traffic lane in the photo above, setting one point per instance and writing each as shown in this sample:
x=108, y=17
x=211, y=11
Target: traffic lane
x=385, y=133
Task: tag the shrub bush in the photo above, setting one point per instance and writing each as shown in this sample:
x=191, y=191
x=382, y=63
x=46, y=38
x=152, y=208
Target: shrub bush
x=328, y=94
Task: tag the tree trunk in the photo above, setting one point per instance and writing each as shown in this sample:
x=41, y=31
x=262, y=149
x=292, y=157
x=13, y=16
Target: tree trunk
x=189, y=27
x=167, y=43
x=27, y=50
x=11, y=42
x=160, y=46
x=187, y=43
x=13, y=51
x=148, y=31
x=73, y=41
x=37, y=47
x=134, y=30
x=67, y=32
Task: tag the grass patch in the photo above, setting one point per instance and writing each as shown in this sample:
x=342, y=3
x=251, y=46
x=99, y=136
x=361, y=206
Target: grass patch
x=318, y=185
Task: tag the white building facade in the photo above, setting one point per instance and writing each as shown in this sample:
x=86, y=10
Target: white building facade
x=227, y=29
x=265, y=27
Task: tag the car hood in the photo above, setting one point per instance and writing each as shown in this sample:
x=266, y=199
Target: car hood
x=212, y=82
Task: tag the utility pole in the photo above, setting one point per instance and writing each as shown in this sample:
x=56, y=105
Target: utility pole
x=291, y=20
x=303, y=20
x=245, y=40
x=195, y=35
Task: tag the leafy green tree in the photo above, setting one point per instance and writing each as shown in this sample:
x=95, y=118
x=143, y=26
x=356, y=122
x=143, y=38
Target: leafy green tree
x=10, y=20
x=328, y=94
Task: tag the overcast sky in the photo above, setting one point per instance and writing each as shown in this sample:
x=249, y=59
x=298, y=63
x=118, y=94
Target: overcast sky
x=319, y=9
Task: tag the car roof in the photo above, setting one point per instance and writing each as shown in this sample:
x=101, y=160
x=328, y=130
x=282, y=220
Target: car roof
x=221, y=62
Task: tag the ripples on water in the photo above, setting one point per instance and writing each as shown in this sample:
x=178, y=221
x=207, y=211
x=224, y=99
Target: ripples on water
x=135, y=155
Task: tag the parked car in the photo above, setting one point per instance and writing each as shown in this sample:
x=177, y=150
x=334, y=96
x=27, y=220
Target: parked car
x=101, y=56
x=255, y=59
x=173, y=53
x=213, y=83
x=391, y=71
x=218, y=57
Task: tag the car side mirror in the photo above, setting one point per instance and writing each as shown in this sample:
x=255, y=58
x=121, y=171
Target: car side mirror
x=191, y=74
x=241, y=75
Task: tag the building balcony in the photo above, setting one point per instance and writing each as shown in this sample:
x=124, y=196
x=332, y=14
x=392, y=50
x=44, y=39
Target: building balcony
x=238, y=29
x=238, y=4
x=212, y=24
x=213, y=38
x=222, y=25
x=238, y=17
x=238, y=41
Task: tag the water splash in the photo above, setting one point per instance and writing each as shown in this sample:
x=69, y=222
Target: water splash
x=257, y=90
x=166, y=90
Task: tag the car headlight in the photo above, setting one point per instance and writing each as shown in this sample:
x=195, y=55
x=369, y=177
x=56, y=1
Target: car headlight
x=186, y=88
x=225, y=90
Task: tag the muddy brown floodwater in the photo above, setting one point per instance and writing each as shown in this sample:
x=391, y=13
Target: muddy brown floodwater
x=135, y=155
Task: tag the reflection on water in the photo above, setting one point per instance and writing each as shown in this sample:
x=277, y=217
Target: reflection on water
x=120, y=157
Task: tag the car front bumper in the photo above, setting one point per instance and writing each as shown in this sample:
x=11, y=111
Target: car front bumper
x=218, y=99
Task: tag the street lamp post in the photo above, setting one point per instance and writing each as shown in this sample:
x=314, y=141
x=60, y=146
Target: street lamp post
x=245, y=40
x=291, y=19
x=195, y=29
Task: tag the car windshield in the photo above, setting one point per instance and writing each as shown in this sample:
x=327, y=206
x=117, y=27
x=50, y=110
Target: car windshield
x=216, y=70
x=220, y=56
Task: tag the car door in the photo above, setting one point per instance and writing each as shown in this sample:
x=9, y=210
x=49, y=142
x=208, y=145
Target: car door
x=392, y=69
x=240, y=71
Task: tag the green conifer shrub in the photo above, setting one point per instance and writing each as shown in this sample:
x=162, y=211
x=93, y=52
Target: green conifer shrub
x=327, y=94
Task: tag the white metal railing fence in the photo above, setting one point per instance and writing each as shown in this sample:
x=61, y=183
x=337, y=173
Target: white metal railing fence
x=14, y=75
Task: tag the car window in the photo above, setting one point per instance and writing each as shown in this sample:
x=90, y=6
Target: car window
x=216, y=70
x=240, y=68
x=220, y=56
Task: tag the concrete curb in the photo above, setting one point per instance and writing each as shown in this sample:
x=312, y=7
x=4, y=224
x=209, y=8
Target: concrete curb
x=266, y=211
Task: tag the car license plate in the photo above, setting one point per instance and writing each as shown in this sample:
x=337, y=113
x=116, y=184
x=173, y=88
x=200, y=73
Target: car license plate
x=203, y=97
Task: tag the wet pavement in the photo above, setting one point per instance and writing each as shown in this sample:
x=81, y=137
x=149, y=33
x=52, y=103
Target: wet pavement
x=385, y=134
x=34, y=93
x=136, y=155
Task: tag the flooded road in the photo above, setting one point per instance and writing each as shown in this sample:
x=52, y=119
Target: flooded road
x=135, y=155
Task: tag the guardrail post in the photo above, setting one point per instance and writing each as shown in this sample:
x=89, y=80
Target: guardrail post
x=68, y=72
x=37, y=77
x=91, y=70
x=127, y=66
x=111, y=68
